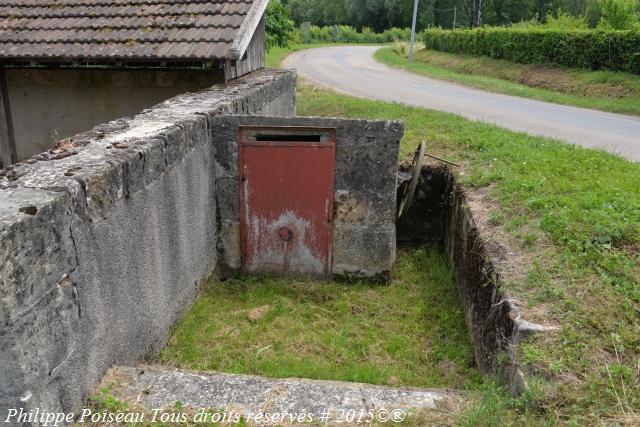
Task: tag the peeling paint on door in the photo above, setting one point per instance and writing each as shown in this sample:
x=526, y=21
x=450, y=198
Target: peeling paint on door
x=287, y=179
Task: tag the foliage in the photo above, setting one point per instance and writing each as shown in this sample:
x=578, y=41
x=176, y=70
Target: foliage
x=279, y=27
x=383, y=14
x=618, y=14
x=560, y=21
x=610, y=50
x=347, y=34
x=565, y=21
x=375, y=14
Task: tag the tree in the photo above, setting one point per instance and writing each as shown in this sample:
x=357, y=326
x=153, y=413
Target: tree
x=506, y=12
x=380, y=15
x=572, y=7
x=618, y=14
x=542, y=9
x=279, y=26
x=476, y=19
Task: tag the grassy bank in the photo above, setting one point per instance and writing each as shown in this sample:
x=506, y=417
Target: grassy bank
x=410, y=333
x=574, y=213
x=602, y=90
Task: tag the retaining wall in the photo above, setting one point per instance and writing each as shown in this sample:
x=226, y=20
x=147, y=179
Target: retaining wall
x=441, y=214
x=105, y=240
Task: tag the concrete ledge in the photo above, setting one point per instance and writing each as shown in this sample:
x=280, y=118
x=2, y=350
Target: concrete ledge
x=148, y=388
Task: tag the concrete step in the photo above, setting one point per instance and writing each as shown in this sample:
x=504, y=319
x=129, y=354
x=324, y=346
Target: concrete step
x=149, y=388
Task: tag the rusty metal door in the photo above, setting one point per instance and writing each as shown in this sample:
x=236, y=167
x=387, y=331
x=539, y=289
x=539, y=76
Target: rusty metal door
x=286, y=199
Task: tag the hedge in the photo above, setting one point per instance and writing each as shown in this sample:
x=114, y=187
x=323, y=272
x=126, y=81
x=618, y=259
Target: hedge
x=347, y=34
x=594, y=49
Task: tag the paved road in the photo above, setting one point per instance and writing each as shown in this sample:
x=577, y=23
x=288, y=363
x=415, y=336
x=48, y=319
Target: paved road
x=352, y=69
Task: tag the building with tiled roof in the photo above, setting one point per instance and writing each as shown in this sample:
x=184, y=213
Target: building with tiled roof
x=67, y=65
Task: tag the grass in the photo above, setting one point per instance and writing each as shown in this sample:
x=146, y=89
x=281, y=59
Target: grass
x=277, y=54
x=601, y=90
x=409, y=333
x=575, y=214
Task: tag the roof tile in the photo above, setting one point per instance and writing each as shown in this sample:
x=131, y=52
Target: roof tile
x=120, y=29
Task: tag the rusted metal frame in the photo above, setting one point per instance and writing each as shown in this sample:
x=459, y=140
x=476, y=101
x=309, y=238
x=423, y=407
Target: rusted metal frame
x=242, y=143
x=441, y=159
x=8, y=153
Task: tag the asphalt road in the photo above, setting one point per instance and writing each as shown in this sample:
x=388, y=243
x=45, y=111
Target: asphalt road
x=352, y=70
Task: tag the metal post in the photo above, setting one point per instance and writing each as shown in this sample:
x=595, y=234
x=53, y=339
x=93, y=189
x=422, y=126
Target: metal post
x=455, y=12
x=413, y=30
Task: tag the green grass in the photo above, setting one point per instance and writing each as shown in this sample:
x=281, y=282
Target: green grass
x=585, y=201
x=409, y=333
x=575, y=213
x=276, y=54
x=602, y=90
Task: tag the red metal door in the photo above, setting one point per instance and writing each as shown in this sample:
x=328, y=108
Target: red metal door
x=286, y=199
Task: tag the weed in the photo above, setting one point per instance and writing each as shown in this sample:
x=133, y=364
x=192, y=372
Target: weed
x=104, y=399
x=496, y=218
x=585, y=202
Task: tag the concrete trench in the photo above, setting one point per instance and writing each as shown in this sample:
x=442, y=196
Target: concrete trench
x=89, y=278
x=441, y=215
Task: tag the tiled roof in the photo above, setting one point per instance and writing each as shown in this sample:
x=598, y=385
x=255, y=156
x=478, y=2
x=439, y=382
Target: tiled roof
x=110, y=30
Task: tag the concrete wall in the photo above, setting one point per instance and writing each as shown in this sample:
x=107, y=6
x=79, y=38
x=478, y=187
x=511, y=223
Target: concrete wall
x=68, y=101
x=104, y=243
x=364, y=231
x=443, y=212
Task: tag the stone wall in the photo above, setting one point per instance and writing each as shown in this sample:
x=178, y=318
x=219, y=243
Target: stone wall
x=105, y=240
x=366, y=167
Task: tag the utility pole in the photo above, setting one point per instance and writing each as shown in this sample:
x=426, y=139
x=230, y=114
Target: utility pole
x=413, y=30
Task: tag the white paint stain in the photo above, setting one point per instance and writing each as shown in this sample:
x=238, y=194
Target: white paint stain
x=270, y=252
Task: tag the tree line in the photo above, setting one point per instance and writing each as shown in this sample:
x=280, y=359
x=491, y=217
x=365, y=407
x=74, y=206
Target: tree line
x=379, y=15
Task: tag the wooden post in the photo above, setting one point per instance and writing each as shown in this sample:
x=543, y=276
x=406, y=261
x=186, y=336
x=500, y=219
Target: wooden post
x=7, y=142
